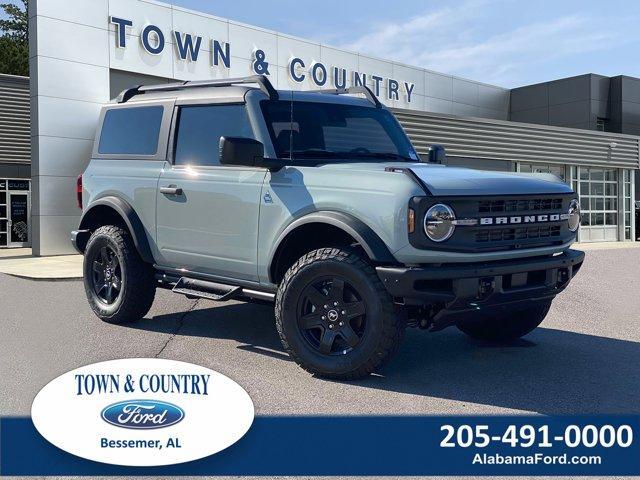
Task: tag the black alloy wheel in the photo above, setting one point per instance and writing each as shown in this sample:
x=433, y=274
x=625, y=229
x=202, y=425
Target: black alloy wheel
x=107, y=275
x=332, y=316
x=119, y=285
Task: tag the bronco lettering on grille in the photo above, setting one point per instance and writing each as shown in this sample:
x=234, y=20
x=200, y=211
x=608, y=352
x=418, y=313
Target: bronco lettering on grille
x=556, y=217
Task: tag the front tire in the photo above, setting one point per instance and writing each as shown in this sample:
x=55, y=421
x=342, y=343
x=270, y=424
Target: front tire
x=506, y=324
x=119, y=285
x=334, y=316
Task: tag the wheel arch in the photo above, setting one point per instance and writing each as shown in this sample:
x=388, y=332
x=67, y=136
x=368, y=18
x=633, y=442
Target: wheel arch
x=107, y=210
x=342, y=225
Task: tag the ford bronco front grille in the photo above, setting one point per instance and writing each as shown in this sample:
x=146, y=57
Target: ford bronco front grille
x=500, y=223
x=519, y=205
x=520, y=233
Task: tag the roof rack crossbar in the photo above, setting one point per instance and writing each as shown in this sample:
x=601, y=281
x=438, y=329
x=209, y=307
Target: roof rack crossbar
x=262, y=82
x=366, y=91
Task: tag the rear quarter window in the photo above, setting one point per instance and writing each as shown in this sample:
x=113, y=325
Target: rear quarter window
x=131, y=131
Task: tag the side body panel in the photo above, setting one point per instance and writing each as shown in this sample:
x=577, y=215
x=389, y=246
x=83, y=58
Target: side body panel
x=134, y=181
x=213, y=226
x=378, y=199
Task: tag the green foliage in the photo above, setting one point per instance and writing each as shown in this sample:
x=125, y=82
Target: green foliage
x=14, y=42
x=14, y=57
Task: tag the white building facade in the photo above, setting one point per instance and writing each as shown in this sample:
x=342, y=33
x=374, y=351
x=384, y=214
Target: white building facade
x=84, y=52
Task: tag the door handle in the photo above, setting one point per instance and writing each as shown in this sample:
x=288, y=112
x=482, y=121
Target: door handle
x=171, y=190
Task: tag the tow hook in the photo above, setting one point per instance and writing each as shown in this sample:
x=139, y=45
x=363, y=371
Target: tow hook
x=563, y=277
x=486, y=287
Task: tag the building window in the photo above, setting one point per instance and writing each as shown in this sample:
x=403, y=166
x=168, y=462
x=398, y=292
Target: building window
x=598, y=191
x=628, y=204
x=601, y=124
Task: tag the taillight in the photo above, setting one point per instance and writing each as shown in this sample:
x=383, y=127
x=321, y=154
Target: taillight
x=79, y=191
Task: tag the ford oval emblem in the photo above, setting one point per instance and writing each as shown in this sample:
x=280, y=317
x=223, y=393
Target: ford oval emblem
x=142, y=414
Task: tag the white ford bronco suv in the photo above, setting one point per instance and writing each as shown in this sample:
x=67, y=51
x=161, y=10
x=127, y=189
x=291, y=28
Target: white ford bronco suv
x=317, y=202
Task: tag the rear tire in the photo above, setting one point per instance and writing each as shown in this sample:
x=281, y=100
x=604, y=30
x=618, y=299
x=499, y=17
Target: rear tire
x=506, y=324
x=119, y=285
x=334, y=317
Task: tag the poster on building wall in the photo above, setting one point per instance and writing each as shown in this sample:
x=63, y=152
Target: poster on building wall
x=19, y=210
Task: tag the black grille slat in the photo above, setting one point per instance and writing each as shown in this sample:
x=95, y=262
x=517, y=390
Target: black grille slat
x=519, y=206
x=520, y=233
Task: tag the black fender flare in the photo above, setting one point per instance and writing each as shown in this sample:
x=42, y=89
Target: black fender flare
x=130, y=218
x=372, y=244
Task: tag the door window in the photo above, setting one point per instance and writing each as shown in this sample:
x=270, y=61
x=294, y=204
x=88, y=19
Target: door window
x=200, y=128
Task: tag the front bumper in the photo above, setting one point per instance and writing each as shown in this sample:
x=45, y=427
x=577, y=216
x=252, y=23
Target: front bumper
x=460, y=288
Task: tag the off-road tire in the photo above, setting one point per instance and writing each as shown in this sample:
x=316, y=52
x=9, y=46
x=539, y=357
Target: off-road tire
x=138, y=285
x=383, y=330
x=506, y=324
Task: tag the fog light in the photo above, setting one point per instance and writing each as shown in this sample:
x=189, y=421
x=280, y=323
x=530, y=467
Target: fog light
x=438, y=222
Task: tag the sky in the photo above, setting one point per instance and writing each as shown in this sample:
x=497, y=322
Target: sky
x=503, y=42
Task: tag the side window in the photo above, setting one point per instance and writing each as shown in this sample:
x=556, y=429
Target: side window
x=131, y=131
x=200, y=129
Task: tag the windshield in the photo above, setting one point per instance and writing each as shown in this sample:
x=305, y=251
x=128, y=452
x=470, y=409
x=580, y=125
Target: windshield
x=335, y=132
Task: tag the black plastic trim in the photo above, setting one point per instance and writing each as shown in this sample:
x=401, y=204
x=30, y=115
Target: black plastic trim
x=79, y=239
x=374, y=247
x=130, y=218
x=403, y=282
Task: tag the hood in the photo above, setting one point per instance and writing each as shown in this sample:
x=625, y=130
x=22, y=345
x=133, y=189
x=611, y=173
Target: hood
x=452, y=181
x=440, y=180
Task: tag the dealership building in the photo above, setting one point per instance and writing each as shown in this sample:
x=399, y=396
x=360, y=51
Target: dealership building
x=83, y=53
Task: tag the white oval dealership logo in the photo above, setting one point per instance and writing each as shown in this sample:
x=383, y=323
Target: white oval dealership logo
x=142, y=412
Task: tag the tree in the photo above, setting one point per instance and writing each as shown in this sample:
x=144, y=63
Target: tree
x=14, y=41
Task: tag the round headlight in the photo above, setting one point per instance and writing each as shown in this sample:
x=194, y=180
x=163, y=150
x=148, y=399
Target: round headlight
x=574, y=215
x=438, y=222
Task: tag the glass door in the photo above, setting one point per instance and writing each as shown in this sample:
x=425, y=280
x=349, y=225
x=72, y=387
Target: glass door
x=18, y=222
x=4, y=215
x=599, y=202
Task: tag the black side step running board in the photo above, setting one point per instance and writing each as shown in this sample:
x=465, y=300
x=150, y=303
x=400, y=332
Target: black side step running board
x=218, y=292
x=202, y=289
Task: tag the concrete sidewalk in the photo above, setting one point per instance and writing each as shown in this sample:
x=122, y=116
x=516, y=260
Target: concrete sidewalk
x=19, y=262
x=605, y=245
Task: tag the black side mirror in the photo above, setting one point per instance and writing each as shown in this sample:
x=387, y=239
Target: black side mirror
x=437, y=154
x=247, y=152
x=241, y=151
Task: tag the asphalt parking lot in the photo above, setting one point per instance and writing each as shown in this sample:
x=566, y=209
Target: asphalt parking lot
x=584, y=358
